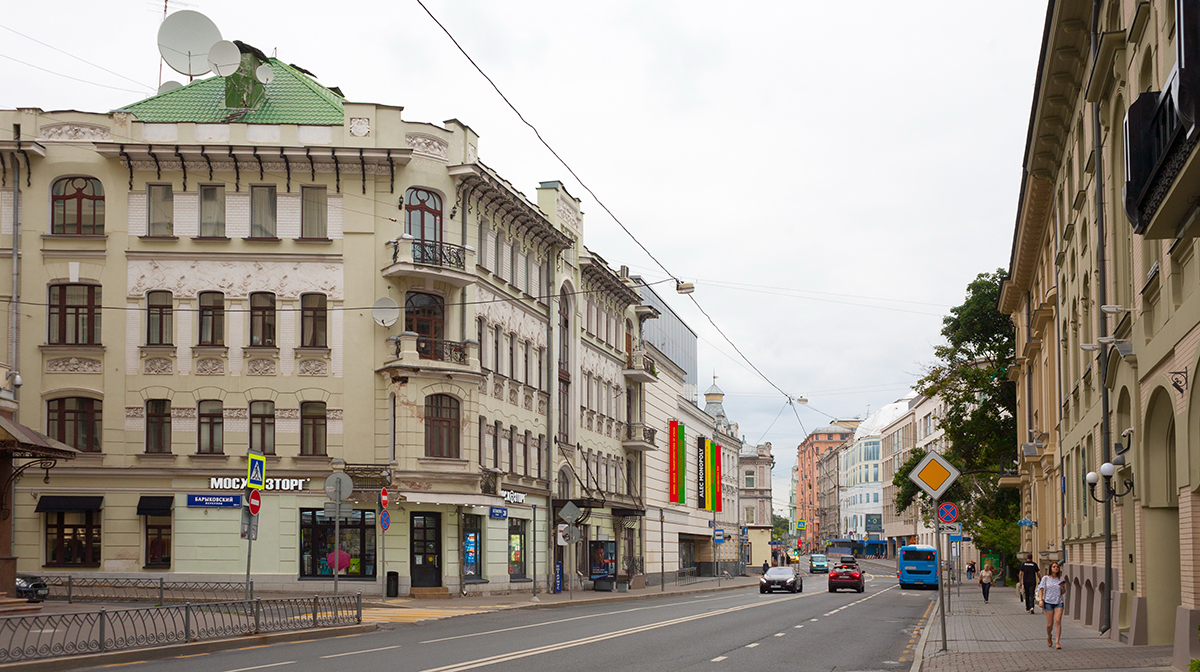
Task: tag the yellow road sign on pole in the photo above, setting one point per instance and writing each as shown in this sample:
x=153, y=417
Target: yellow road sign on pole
x=256, y=472
x=934, y=475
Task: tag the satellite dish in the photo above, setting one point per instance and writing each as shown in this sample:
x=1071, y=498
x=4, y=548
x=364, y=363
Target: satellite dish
x=224, y=57
x=264, y=73
x=169, y=86
x=385, y=312
x=184, y=39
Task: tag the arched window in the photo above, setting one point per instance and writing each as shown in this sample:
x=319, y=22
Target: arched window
x=77, y=204
x=423, y=214
x=564, y=484
x=76, y=422
x=441, y=426
x=425, y=314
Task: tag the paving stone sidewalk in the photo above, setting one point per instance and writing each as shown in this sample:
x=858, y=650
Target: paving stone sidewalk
x=1002, y=637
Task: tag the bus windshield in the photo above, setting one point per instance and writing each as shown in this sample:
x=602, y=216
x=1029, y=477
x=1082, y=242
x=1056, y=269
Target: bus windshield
x=918, y=556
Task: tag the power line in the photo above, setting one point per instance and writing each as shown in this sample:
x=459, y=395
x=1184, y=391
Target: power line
x=84, y=81
x=593, y=194
x=81, y=60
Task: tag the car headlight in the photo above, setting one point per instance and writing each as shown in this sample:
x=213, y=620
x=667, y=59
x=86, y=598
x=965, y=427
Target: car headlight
x=22, y=582
x=791, y=580
x=763, y=580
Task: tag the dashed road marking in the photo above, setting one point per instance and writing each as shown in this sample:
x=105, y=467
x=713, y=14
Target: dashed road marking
x=799, y=626
x=780, y=634
x=259, y=667
x=752, y=645
x=718, y=659
x=355, y=653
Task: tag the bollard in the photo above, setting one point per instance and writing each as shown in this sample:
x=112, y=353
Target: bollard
x=68, y=589
x=314, y=611
x=160, y=591
x=257, y=614
x=187, y=621
x=358, y=616
x=102, y=630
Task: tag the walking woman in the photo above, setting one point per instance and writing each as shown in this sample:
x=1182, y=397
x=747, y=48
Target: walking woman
x=985, y=581
x=1052, y=594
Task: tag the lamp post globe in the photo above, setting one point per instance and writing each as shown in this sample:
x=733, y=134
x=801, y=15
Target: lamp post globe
x=1093, y=478
x=1107, y=470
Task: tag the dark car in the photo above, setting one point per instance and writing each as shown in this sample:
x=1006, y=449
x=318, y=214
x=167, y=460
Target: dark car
x=817, y=563
x=846, y=576
x=848, y=560
x=32, y=588
x=781, y=578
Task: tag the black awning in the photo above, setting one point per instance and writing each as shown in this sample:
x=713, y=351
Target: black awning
x=626, y=512
x=151, y=505
x=57, y=503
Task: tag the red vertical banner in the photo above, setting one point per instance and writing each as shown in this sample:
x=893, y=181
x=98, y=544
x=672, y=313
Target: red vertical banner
x=673, y=485
x=719, y=485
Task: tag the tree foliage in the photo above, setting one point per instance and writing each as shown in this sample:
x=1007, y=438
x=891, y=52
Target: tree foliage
x=970, y=376
x=781, y=526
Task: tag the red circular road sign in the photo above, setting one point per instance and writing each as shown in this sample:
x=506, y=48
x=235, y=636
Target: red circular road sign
x=383, y=498
x=254, y=502
x=948, y=512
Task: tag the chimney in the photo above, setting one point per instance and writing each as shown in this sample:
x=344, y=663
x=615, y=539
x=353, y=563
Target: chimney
x=242, y=88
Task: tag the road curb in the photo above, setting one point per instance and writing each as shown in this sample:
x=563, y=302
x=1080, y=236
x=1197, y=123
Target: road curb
x=919, y=652
x=189, y=649
x=556, y=604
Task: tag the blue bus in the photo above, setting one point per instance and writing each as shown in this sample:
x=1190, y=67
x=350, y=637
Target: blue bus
x=918, y=566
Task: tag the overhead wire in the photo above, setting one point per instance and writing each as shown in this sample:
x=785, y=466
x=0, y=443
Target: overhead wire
x=81, y=60
x=52, y=72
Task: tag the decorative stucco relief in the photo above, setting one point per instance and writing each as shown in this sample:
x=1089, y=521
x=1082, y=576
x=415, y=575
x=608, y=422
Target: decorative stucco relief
x=333, y=414
x=599, y=364
x=158, y=366
x=74, y=365
x=528, y=402
x=183, y=412
x=261, y=367
x=248, y=167
x=567, y=214
x=428, y=145
x=75, y=132
x=314, y=367
x=511, y=320
x=287, y=413
x=235, y=413
x=135, y=412
x=210, y=366
x=512, y=396
x=360, y=127
x=237, y=279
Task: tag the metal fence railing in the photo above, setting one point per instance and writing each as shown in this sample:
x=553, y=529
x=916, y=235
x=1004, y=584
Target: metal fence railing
x=685, y=577
x=159, y=591
x=54, y=635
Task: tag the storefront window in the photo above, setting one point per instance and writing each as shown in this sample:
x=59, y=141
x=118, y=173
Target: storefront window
x=158, y=541
x=516, y=548
x=73, y=538
x=357, y=544
x=472, y=546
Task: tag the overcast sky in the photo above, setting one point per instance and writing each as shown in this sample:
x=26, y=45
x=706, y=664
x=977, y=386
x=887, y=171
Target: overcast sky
x=829, y=175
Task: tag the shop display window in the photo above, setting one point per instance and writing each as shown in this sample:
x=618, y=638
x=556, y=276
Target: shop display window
x=516, y=548
x=357, y=545
x=73, y=539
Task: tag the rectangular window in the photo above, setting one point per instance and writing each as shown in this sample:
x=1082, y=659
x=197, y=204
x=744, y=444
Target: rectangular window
x=76, y=422
x=314, y=212
x=357, y=541
x=749, y=478
x=512, y=356
x=158, y=426
x=211, y=428
x=564, y=410
x=472, y=547
x=482, y=434
x=541, y=364
x=496, y=350
x=212, y=211
x=262, y=212
x=749, y=515
x=74, y=315
x=158, y=542
x=479, y=339
x=159, y=319
x=512, y=453
x=541, y=442
x=212, y=319
x=262, y=427
x=313, y=420
x=262, y=320
x=528, y=349
x=496, y=445
x=73, y=539
x=516, y=548
x=161, y=211
x=312, y=321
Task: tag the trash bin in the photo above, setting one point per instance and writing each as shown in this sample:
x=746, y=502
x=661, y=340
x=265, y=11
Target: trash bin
x=393, y=584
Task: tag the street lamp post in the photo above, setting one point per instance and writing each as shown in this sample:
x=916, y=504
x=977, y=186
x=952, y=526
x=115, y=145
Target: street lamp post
x=1108, y=470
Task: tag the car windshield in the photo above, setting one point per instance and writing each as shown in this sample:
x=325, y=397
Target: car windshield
x=847, y=568
x=818, y=558
x=780, y=571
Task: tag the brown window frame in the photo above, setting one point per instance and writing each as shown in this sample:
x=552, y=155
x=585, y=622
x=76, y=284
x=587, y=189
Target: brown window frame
x=313, y=423
x=211, y=423
x=92, y=545
x=314, y=321
x=262, y=321
x=262, y=426
x=155, y=533
x=160, y=318
x=416, y=208
x=158, y=426
x=314, y=207
x=79, y=201
x=88, y=421
x=66, y=320
x=442, y=413
x=214, y=316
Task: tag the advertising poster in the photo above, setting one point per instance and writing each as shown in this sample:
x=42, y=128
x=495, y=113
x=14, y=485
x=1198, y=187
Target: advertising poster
x=602, y=560
x=673, y=454
x=471, y=554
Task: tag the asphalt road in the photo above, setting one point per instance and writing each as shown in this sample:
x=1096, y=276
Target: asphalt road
x=734, y=630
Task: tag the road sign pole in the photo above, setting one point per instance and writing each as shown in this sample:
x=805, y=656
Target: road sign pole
x=337, y=540
x=249, y=543
x=941, y=582
x=382, y=546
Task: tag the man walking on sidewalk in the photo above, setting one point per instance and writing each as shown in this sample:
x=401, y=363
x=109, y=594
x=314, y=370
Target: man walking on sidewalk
x=1030, y=575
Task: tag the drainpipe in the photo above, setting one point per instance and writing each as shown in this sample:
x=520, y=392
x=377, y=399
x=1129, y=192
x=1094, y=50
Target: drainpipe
x=550, y=369
x=14, y=308
x=1102, y=295
x=1062, y=458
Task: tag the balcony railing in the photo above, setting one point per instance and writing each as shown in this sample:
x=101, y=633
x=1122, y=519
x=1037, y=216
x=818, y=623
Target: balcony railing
x=431, y=253
x=441, y=350
x=638, y=432
x=640, y=367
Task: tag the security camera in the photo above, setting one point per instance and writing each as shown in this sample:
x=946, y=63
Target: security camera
x=16, y=380
x=1127, y=433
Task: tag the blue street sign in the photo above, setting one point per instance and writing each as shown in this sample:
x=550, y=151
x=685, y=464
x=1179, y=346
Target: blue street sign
x=385, y=521
x=719, y=536
x=215, y=501
x=956, y=537
x=498, y=512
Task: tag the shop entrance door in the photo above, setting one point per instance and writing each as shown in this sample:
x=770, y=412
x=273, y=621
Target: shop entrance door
x=426, y=552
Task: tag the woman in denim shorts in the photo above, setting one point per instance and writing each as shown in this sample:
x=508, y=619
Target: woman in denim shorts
x=1052, y=594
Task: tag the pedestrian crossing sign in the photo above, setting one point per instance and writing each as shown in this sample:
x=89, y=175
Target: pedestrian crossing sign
x=256, y=472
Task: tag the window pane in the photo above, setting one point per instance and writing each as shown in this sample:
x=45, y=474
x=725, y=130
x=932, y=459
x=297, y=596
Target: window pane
x=262, y=427
x=262, y=320
x=212, y=211
x=262, y=212
x=159, y=318
x=313, y=213
x=312, y=321
x=212, y=318
x=162, y=210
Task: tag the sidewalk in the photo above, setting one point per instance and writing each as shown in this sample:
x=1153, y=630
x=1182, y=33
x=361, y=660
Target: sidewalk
x=550, y=600
x=1002, y=637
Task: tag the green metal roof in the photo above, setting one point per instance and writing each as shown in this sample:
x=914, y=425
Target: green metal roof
x=292, y=97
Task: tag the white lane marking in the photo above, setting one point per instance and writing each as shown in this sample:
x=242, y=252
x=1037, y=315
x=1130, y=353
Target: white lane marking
x=718, y=659
x=799, y=626
x=751, y=646
x=355, y=653
x=259, y=667
x=812, y=619
x=780, y=634
x=567, y=620
x=550, y=648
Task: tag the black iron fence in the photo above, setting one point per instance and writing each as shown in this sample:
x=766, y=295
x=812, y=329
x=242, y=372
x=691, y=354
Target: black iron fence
x=158, y=591
x=54, y=635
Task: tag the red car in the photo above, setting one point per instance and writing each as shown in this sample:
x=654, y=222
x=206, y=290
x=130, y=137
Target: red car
x=846, y=576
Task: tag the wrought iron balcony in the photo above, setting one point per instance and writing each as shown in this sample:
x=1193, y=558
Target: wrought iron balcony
x=441, y=350
x=411, y=349
x=640, y=367
x=639, y=437
x=447, y=262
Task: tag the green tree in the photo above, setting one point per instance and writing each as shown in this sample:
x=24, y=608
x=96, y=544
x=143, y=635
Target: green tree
x=781, y=527
x=970, y=376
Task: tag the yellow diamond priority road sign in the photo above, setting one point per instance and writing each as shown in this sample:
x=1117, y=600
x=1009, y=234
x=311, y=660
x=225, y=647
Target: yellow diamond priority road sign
x=934, y=475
